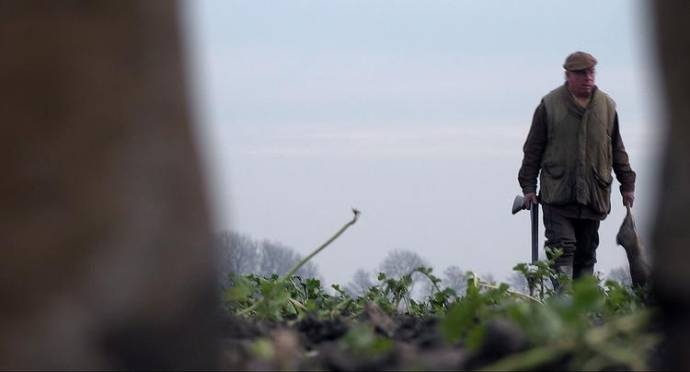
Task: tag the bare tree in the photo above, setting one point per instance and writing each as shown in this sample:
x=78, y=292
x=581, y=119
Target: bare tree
x=518, y=282
x=456, y=279
x=309, y=270
x=240, y=254
x=401, y=262
x=237, y=254
x=360, y=284
x=276, y=258
x=621, y=275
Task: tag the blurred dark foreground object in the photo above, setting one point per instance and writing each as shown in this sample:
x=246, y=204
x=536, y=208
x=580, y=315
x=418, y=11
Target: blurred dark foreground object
x=637, y=257
x=671, y=240
x=104, y=259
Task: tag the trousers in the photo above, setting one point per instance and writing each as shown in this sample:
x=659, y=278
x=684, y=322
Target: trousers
x=577, y=237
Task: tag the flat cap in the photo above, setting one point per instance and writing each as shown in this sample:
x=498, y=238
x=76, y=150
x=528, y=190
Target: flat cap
x=579, y=61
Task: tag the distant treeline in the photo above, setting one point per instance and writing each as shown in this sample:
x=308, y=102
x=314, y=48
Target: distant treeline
x=241, y=254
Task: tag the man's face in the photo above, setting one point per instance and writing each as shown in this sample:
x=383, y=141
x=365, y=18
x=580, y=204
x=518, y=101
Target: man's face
x=581, y=82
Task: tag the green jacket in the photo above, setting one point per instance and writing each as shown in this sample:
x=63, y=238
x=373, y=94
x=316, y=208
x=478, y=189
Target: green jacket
x=575, y=148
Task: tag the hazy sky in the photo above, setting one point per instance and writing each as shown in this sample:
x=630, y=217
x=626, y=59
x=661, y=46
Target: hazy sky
x=414, y=112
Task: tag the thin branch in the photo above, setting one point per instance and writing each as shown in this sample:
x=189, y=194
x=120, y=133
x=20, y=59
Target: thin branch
x=324, y=245
x=297, y=304
x=516, y=294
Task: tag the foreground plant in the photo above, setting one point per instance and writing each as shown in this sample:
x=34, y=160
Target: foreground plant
x=275, y=297
x=585, y=324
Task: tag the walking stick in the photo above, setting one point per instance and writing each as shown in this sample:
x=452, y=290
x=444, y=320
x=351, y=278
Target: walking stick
x=518, y=205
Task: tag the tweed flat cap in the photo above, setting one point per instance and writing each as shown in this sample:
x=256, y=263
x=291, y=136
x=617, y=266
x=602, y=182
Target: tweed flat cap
x=579, y=61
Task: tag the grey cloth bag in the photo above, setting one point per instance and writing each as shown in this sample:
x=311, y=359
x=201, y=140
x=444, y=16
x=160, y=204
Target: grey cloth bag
x=628, y=238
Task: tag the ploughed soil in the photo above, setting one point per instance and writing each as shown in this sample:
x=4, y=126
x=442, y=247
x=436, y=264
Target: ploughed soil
x=402, y=342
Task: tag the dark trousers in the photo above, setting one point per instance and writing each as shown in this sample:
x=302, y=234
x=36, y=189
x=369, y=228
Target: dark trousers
x=577, y=237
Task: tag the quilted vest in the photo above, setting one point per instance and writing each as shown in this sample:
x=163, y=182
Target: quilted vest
x=577, y=161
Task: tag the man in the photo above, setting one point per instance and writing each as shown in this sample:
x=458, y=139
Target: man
x=575, y=142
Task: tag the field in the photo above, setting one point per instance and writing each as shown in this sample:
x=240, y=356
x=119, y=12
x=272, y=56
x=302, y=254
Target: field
x=293, y=323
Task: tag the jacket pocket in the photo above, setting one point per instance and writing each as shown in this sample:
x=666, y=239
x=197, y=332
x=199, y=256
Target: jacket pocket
x=601, y=191
x=603, y=181
x=555, y=185
x=554, y=171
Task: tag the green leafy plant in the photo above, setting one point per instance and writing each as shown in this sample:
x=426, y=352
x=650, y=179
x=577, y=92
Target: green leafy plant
x=278, y=297
x=582, y=324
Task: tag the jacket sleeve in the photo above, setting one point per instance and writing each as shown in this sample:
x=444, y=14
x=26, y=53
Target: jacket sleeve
x=621, y=163
x=533, y=151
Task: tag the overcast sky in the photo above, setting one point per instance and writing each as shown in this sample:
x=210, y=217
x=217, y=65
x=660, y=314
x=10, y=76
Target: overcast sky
x=414, y=112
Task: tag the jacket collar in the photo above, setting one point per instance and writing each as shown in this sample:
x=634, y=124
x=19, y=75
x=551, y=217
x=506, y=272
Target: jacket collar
x=573, y=106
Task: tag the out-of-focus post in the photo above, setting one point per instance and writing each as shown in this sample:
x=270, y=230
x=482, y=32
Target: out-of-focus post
x=104, y=254
x=671, y=248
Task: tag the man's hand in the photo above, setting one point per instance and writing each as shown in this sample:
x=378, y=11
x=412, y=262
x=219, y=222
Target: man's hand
x=530, y=199
x=628, y=198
